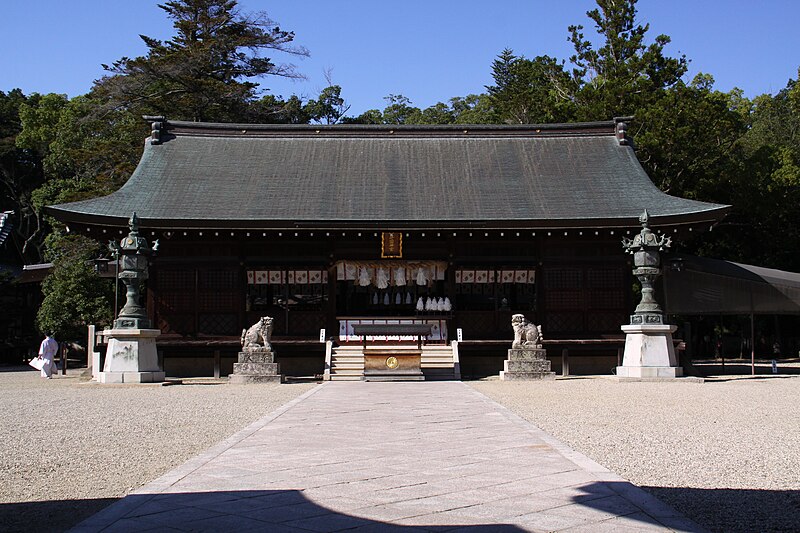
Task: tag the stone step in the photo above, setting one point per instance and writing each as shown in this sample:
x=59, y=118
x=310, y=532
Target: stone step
x=338, y=368
x=527, y=366
x=345, y=377
x=270, y=369
x=527, y=376
x=438, y=373
x=347, y=357
x=347, y=361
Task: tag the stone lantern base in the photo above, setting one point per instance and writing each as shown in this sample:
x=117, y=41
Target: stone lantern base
x=131, y=357
x=649, y=352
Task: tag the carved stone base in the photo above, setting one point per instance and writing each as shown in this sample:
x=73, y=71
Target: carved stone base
x=130, y=377
x=527, y=364
x=131, y=357
x=246, y=379
x=649, y=352
x=256, y=367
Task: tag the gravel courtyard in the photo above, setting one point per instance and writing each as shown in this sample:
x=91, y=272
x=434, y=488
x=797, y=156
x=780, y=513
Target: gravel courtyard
x=78, y=446
x=724, y=452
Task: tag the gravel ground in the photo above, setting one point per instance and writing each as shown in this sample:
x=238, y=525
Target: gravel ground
x=71, y=447
x=725, y=452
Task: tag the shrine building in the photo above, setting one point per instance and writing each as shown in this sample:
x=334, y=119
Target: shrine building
x=329, y=227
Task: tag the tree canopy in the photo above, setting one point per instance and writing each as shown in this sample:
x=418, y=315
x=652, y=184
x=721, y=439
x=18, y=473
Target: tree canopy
x=694, y=141
x=207, y=71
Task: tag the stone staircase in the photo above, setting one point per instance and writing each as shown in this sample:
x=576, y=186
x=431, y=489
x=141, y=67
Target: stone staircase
x=347, y=361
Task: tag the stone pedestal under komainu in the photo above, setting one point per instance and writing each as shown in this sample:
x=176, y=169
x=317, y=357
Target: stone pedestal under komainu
x=256, y=362
x=526, y=364
x=527, y=360
x=257, y=366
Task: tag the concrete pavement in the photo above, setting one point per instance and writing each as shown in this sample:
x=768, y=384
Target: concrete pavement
x=366, y=456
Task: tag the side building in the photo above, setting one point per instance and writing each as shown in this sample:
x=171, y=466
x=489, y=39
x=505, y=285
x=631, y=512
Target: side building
x=328, y=227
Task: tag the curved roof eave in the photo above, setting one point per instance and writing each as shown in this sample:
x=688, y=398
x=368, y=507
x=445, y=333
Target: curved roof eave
x=207, y=175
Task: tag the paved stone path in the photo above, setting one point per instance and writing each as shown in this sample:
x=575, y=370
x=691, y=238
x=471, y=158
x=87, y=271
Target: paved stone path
x=433, y=456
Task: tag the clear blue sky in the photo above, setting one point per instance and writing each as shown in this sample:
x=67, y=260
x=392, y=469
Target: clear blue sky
x=427, y=50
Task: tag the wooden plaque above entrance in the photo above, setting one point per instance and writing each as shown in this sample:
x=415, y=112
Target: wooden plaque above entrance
x=391, y=245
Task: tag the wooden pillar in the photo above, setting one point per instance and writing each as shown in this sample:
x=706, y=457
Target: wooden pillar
x=216, y=364
x=242, y=288
x=331, y=324
x=196, y=302
x=565, y=362
x=450, y=292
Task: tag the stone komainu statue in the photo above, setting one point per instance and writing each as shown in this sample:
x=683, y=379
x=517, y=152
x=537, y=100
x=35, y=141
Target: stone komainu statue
x=526, y=334
x=258, y=336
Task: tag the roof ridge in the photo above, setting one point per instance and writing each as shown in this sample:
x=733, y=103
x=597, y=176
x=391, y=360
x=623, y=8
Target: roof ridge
x=178, y=127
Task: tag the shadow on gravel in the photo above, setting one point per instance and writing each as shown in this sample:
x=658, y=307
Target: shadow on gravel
x=257, y=510
x=17, y=368
x=743, y=368
x=54, y=515
x=722, y=379
x=735, y=510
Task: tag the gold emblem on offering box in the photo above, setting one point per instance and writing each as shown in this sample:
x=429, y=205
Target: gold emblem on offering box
x=391, y=362
x=391, y=245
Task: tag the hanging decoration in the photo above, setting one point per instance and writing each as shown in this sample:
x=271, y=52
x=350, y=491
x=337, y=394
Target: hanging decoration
x=382, y=278
x=304, y=276
x=363, y=276
x=422, y=276
x=396, y=273
x=479, y=276
x=400, y=276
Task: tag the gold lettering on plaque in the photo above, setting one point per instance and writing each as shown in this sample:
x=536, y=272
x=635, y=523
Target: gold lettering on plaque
x=391, y=245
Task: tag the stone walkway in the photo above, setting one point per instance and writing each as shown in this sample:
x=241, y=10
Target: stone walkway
x=435, y=456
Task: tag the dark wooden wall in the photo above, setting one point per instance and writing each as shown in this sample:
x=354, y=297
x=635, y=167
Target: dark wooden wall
x=198, y=286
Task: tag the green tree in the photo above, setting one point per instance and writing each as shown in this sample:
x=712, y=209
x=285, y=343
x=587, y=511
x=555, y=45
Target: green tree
x=370, y=116
x=439, y=113
x=775, y=132
x=470, y=109
x=206, y=71
x=20, y=174
x=767, y=209
x=688, y=141
x=624, y=73
x=399, y=110
x=82, y=155
x=531, y=91
x=473, y=109
x=329, y=107
x=74, y=295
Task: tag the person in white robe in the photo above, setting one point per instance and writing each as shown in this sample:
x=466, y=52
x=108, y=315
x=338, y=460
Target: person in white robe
x=47, y=352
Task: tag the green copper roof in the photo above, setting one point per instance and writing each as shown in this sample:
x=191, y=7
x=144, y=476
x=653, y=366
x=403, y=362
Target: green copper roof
x=252, y=176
